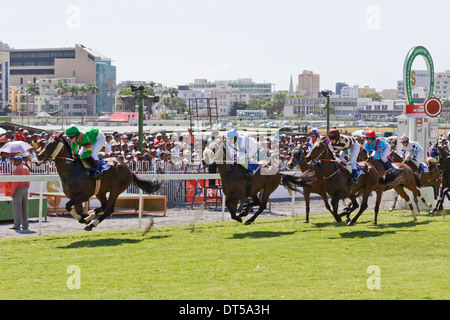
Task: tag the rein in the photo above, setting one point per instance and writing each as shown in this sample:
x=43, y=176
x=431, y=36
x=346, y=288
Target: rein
x=58, y=150
x=328, y=160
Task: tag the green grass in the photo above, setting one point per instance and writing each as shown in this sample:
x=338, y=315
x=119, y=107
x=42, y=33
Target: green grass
x=271, y=259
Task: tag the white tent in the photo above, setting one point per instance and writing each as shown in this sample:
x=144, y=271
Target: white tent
x=43, y=114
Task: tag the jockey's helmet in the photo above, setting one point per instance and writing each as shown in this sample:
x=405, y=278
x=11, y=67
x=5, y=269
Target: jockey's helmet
x=334, y=134
x=448, y=135
x=314, y=131
x=404, y=138
x=232, y=134
x=370, y=134
x=72, y=131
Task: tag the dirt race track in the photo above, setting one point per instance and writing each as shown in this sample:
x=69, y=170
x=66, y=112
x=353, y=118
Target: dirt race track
x=174, y=216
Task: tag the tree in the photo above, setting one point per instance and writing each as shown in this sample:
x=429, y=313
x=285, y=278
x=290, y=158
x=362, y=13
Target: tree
x=33, y=91
x=374, y=95
x=61, y=90
x=173, y=92
x=279, y=100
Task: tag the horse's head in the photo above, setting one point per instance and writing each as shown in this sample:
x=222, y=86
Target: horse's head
x=53, y=147
x=298, y=156
x=318, y=150
x=214, y=153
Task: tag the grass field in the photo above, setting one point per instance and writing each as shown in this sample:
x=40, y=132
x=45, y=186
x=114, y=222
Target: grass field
x=271, y=259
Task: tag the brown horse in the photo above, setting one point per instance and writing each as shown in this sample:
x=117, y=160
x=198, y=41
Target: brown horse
x=236, y=186
x=338, y=180
x=432, y=178
x=403, y=177
x=317, y=186
x=79, y=186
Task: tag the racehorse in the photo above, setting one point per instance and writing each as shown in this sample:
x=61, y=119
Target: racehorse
x=338, y=183
x=237, y=186
x=79, y=186
x=317, y=186
x=444, y=188
x=404, y=177
x=424, y=179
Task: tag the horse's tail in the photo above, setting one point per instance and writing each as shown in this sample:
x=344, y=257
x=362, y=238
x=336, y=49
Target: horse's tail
x=146, y=185
x=392, y=176
x=293, y=182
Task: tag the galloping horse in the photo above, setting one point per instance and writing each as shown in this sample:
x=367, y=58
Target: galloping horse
x=338, y=181
x=429, y=179
x=79, y=186
x=317, y=186
x=404, y=178
x=236, y=185
x=444, y=188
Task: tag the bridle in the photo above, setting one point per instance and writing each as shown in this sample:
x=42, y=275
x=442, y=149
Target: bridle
x=301, y=159
x=58, y=150
x=319, y=158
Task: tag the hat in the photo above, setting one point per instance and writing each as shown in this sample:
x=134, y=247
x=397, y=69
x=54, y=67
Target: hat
x=153, y=150
x=72, y=131
x=17, y=158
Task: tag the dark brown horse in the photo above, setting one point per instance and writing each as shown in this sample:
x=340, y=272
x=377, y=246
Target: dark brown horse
x=79, y=186
x=236, y=186
x=338, y=180
x=316, y=186
x=444, y=188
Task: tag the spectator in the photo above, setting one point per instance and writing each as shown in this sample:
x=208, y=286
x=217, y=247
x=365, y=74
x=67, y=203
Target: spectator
x=18, y=136
x=108, y=143
x=19, y=194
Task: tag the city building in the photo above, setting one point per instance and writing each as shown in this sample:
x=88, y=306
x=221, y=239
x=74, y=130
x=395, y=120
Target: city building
x=349, y=92
x=382, y=110
x=339, y=86
x=81, y=63
x=365, y=91
x=304, y=108
x=4, y=80
x=442, y=85
x=255, y=90
x=308, y=84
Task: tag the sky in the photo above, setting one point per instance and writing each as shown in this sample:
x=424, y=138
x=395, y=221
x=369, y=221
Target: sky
x=173, y=42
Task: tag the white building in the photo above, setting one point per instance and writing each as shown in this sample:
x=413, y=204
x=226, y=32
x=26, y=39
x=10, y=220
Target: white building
x=442, y=85
x=349, y=92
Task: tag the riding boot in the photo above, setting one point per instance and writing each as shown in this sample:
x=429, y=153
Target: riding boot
x=96, y=168
x=388, y=165
x=354, y=177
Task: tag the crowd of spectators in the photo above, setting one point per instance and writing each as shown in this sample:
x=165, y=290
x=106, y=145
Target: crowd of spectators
x=178, y=151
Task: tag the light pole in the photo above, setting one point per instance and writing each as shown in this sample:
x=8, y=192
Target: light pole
x=327, y=94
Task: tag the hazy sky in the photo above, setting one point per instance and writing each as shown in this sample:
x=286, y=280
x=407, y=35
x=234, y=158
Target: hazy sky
x=176, y=41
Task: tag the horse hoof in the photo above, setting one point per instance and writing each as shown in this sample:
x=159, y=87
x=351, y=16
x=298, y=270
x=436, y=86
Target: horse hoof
x=88, y=228
x=248, y=222
x=307, y=221
x=89, y=217
x=391, y=209
x=347, y=221
x=351, y=223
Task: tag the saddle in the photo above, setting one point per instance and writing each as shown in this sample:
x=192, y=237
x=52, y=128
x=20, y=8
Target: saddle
x=348, y=167
x=90, y=165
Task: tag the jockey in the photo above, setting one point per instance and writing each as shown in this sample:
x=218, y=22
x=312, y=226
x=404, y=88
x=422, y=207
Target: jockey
x=242, y=149
x=377, y=148
x=342, y=142
x=411, y=150
x=91, y=142
x=314, y=134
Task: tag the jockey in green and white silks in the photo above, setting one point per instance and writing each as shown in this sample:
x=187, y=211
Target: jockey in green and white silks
x=242, y=149
x=87, y=144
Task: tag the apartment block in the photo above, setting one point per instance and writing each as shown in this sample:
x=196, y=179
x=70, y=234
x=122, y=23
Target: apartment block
x=308, y=84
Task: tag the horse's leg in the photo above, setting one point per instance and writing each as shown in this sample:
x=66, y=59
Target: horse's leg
x=377, y=205
x=439, y=201
x=231, y=204
x=395, y=202
x=307, y=201
x=363, y=206
x=265, y=197
x=401, y=191
x=249, y=205
x=353, y=207
x=335, y=205
x=325, y=200
x=108, y=210
x=77, y=201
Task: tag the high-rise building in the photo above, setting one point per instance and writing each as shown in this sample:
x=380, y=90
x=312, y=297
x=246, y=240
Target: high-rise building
x=4, y=80
x=339, y=86
x=80, y=63
x=308, y=84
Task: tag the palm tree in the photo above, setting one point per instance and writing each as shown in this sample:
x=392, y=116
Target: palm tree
x=62, y=90
x=73, y=91
x=93, y=89
x=173, y=92
x=33, y=91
